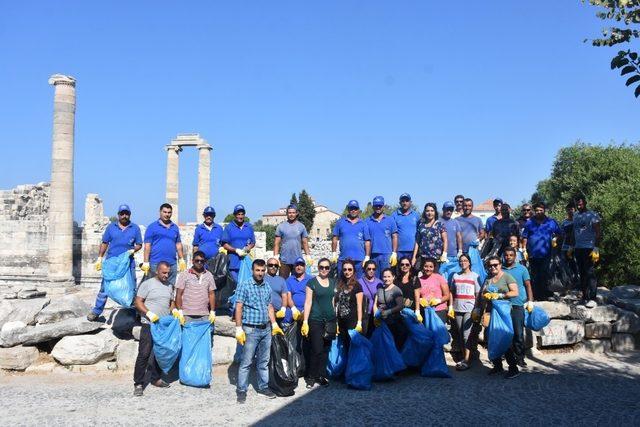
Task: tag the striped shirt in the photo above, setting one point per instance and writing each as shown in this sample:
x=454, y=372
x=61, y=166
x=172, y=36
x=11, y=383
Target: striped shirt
x=195, y=299
x=464, y=288
x=256, y=299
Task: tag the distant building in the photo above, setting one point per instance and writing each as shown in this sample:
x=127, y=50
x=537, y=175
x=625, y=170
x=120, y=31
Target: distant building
x=321, y=229
x=484, y=210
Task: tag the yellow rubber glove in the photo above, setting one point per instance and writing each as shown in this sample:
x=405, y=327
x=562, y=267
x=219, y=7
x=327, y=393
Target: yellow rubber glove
x=309, y=260
x=178, y=315
x=366, y=260
x=275, y=329
x=554, y=242
x=490, y=296
x=393, y=259
x=281, y=313
x=295, y=313
x=305, y=329
x=222, y=250
x=525, y=255
x=528, y=306
x=212, y=317
x=241, y=337
x=358, y=327
x=595, y=255
x=98, y=264
x=434, y=301
x=153, y=318
x=145, y=267
x=419, y=316
x=475, y=316
x=423, y=303
x=451, y=313
x=182, y=266
x=334, y=257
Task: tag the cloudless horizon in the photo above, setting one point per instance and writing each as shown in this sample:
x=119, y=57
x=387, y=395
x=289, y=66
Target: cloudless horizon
x=346, y=99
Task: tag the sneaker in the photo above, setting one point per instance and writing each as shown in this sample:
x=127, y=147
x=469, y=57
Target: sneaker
x=324, y=382
x=512, y=373
x=591, y=304
x=92, y=317
x=138, y=390
x=161, y=384
x=496, y=370
x=267, y=393
x=310, y=383
x=241, y=396
x=522, y=363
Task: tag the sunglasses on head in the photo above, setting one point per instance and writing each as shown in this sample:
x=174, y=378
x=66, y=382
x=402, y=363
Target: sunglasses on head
x=324, y=267
x=272, y=265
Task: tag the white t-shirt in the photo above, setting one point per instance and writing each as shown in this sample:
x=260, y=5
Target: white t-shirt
x=464, y=288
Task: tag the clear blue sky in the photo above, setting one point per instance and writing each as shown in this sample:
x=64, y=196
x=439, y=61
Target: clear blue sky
x=348, y=99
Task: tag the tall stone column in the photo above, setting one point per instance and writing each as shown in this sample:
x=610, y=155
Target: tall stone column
x=173, y=163
x=204, y=179
x=61, y=197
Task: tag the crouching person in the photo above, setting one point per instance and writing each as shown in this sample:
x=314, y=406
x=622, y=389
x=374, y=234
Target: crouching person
x=253, y=314
x=153, y=300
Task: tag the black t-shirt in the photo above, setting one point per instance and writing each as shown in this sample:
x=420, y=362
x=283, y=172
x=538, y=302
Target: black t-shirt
x=503, y=228
x=346, y=303
x=408, y=290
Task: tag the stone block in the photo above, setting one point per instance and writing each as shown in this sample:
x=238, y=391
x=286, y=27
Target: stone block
x=601, y=313
x=41, y=333
x=66, y=307
x=628, y=322
x=225, y=326
x=555, y=310
x=623, y=343
x=632, y=305
x=11, y=332
x=224, y=348
x=85, y=349
x=598, y=330
x=625, y=292
x=602, y=295
x=17, y=358
x=126, y=355
x=561, y=332
x=31, y=294
x=595, y=346
x=21, y=310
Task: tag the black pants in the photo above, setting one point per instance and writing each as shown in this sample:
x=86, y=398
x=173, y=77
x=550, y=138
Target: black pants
x=319, y=350
x=517, y=317
x=344, y=324
x=539, y=277
x=399, y=331
x=588, y=282
x=146, y=359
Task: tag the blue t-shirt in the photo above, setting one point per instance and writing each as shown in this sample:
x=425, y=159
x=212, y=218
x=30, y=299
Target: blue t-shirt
x=238, y=238
x=489, y=223
x=407, y=225
x=583, y=229
x=470, y=227
x=163, y=242
x=539, y=236
x=380, y=234
x=278, y=287
x=521, y=274
x=298, y=289
x=453, y=228
x=208, y=241
x=352, y=237
x=121, y=240
x=291, y=243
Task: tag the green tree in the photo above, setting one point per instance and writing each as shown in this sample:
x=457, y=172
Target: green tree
x=306, y=210
x=609, y=178
x=293, y=200
x=623, y=15
x=230, y=217
x=269, y=229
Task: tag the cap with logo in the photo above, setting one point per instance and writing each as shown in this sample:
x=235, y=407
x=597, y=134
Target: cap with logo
x=378, y=201
x=405, y=196
x=238, y=208
x=124, y=208
x=353, y=204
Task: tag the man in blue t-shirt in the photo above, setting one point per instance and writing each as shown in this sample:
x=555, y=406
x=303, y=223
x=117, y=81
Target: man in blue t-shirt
x=382, y=245
x=586, y=239
x=538, y=237
x=297, y=288
x=238, y=239
x=161, y=243
x=470, y=226
x=406, y=219
x=207, y=235
x=279, y=292
x=119, y=237
x=290, y=241
x=497, y=206
x=352, y=233
x=524, y=301
x=454, y=233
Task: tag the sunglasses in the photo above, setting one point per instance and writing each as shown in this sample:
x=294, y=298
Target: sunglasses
x=324, y=267
x=371, y=269
x=300, y=265
x=272, y=265
x=458, y=201
x=527, y=210
x=347, y=269
x=404, y=264
x=198, y=260
x=124, y=213
x=494, y=265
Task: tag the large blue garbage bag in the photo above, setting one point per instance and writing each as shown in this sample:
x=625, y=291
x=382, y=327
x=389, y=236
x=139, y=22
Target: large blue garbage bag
x=245, y=272
x=500, y=331
x=436, y=365
x=167, y=341
x=337, y=361
x=477, y=265
x=419, y=341
x=196, y=359
x=119, y=284
x=537, y=319
x=359, y=369
x=437, y=327
x=447, y=269
x=386, y=358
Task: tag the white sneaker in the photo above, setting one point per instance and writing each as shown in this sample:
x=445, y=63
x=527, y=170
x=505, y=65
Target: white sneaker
x=591, y=304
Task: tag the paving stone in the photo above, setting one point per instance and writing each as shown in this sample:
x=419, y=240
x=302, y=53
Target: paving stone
x=561, y=332
x=598, y=330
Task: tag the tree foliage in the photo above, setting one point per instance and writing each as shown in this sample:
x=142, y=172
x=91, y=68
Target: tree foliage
x=230, y=217
x=269, y=229
x=306, y=210
x=294, y=199
x=609, y=178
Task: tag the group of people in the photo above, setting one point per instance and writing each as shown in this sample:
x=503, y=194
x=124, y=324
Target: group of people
x=378, y=266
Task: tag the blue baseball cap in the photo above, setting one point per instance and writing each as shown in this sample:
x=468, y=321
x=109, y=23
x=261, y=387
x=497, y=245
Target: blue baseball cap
x=239, y=208
x=497, y=200
x=378, y=201
x=448, y=205
x=353, y=204
x=209, y=211
x=293, y=206
x=124, y=208
x=299, y=261
x=405, y=196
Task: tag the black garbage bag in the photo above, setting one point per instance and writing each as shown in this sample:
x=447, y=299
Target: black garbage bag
x=570, y=275
x=491, y=247
x=219, y=267
x=282, y=376
x=560, y=277
x=223, y=295
x=296, y=353
x=333, y=273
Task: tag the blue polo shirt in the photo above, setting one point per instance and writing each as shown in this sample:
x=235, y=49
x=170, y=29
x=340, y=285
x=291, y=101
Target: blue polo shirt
x=539, y=236
x=238, y=238
x=453, y=228
x=521, y=274
x=352, y=237
x=298, y=289
x=208, y=241
x=163, y=242
x=121, y=240
x=407, y=226
x=489, y=223
x=380, y=234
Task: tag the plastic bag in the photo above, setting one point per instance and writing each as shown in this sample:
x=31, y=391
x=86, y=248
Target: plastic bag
x=537, y=319
x=337, y=361
x=477, y=266
x=218, y=266
x=419, y=341
x=245, y=272
x=359, y=371
x=167, y=341
x=387, y=361
x=447, y=269
x=500, y=331
x=119, y=283
x=294, y=346
x=436, y=365
x=491, y=248
x=196, y=358
x=434, y=324
x=283, y=378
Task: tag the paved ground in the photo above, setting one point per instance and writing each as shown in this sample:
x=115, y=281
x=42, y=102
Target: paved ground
x=559, y=390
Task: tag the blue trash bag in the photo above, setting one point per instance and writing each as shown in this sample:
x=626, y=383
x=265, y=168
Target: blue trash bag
x=447, y=269
x=500, y=331
x=386, y=358
x=359, y=371
x=119, y=284
x=231, y=303
x=167, y=341
x=435, y=366
x=477, y=265
x=196, y=358
x=437, y=327
x=419, y=341
x=537, y=319
x=245, y=272
x=337, y=361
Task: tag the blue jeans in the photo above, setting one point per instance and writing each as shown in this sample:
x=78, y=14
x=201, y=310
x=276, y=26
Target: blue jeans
x=259, y=344
x=101, y=298
x=359, y=270
x=382, y=262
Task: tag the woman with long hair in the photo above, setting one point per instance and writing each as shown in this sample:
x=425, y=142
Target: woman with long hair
x=431, y=238
x=370, y=284
x=409, y=285
x=434, y=289
x=388, y=304
x=348, y=302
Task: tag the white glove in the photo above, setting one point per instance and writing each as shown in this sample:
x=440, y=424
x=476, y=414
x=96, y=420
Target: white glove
x=153, y=318
x=366, y=260
x=444, y=258
x=459, y=254
x=241, y=253
x=528, y=306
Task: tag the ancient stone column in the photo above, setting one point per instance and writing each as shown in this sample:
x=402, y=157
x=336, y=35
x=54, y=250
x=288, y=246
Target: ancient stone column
x=61, y=197
x=173, y=163
x=204, y=179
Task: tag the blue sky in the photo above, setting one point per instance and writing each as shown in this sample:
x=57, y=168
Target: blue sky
x=348, y=99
